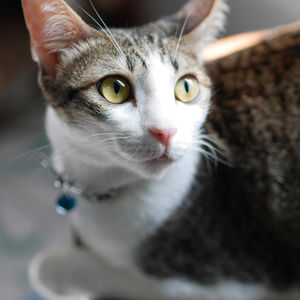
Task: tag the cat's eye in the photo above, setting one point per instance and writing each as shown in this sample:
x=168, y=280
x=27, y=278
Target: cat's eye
x=187, y=89
x=114, y=89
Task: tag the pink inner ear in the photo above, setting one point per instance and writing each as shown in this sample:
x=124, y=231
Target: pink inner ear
x=49, y=60
x=196, y=12
x=53, y=26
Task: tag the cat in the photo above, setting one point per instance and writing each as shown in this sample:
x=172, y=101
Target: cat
x=125, y=116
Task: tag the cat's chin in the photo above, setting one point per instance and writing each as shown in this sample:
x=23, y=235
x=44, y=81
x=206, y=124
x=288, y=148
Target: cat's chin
x=154, y=168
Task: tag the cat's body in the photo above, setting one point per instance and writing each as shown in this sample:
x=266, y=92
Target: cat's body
x=172, y=230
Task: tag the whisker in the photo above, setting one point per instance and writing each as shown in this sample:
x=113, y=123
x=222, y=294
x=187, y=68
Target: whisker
x=214, y=149
x=180, y=37
x=99, y=134
x=213, y=157
x=209, y=141
x=133, y=155
x=102, y=134
x=98, y=146
x=108, y=164
x=153, y=154
x=114, y=139
x=99, y=142
x=208, y=155
x=175, y=42
x=112, y=39
x=88, y=14
x=110, y=35
x=22, y=155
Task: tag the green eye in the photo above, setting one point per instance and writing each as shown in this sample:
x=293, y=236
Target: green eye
x=114, y=89
x=187, y=89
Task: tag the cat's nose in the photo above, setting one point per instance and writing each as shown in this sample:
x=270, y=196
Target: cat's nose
x=163, y=135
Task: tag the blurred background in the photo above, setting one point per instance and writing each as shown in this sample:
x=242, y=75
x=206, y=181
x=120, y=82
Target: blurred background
x=28, y=222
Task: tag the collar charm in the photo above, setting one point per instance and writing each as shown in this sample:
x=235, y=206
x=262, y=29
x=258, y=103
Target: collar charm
x=67, y=200
x=65, y=203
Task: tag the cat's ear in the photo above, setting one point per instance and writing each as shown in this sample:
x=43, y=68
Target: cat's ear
x=53, y=27
x=202, y=20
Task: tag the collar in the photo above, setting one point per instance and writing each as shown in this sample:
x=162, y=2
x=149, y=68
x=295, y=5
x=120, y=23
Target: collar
x=70, y=191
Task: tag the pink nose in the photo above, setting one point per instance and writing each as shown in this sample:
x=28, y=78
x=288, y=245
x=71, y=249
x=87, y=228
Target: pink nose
x=163, y=135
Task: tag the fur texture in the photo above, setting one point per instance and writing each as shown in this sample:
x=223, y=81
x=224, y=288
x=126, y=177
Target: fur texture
x=168, y=230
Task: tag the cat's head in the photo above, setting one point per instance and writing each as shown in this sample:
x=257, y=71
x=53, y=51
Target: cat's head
x=133, y=97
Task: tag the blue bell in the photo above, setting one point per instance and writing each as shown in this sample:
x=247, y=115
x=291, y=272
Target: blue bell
x=65, y=203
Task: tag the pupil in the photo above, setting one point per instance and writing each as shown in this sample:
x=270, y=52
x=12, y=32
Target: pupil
x=117, y=87
x=186, y=86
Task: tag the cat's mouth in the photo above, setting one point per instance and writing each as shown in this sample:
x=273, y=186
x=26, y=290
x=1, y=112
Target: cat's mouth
x=160, y=158
x=157, y=154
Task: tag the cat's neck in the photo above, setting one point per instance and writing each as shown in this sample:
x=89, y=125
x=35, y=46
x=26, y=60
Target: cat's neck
x=95, y=179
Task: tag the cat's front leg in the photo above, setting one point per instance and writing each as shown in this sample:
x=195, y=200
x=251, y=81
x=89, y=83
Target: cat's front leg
x=65, y=274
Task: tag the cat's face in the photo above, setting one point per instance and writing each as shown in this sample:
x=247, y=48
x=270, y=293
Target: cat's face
x=136, y=100
x=124, y=131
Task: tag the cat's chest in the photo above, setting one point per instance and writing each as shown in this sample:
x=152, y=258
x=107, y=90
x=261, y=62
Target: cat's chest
x=113, y=229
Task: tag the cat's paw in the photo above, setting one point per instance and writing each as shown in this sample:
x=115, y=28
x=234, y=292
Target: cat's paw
x=63, y=275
